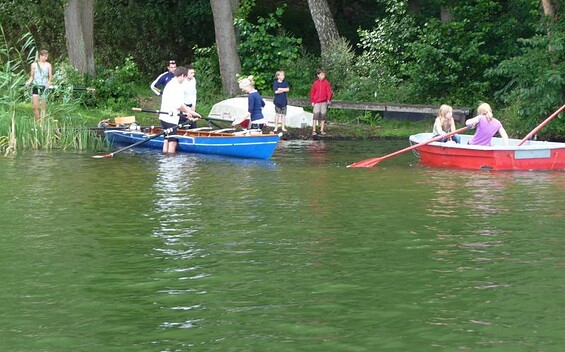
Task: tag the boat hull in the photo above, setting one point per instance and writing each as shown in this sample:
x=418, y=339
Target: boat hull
x=533, y=155
x=260, y=146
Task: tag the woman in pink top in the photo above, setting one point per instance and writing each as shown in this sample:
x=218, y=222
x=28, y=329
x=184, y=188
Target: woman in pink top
x=487, y=126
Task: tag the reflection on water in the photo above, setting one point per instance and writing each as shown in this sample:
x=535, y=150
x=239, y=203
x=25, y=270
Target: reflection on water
x=158, y=253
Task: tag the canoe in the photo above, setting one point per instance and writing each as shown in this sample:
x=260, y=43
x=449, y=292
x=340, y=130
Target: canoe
x=532, y=155
x=234, y=144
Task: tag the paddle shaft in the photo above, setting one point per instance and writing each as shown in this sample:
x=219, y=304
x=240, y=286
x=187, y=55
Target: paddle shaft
x=541, y=125
x=211, y=119
x=89, y=89
x=374, y=161
x=168, y=130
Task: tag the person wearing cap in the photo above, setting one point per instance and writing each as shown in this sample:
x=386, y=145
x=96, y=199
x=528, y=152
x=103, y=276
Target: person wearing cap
x=161, y=81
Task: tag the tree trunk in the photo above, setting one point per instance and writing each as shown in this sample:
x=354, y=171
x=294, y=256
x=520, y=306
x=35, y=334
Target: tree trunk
x=226, y=44
x=79, y=32
x=414, y=7
x=445, y=14
x=550, y=9
x=324, y=23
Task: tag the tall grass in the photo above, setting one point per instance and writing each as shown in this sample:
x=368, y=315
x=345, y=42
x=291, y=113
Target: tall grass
x=60, y=129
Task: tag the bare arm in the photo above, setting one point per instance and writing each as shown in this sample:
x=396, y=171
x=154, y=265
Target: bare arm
x=504, y=135
x=50, y=77
x=437, y=127
x=472, y=122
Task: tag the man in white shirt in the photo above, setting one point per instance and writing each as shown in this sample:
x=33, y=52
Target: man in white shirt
x=172, y=102
x=189, y=85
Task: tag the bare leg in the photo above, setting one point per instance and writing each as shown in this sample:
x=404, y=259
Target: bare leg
x=322, y=124
x=277, y=116
x=42, y=109
x=166, y=146
x=172, y=147
x=282, y=122
x=35, y=102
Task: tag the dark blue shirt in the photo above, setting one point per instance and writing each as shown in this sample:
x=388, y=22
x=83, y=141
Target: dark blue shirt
x=280, y=100
x=255, y=105
x=161, y=81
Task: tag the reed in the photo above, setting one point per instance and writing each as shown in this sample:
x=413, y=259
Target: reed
x=61, y=128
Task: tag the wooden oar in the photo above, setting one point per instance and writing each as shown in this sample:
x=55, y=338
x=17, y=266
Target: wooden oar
x=109, y=155
x=211, y=119
x=374, y=161
x=541, y=125
x=88, y=89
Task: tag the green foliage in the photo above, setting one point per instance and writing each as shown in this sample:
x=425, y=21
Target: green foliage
x=441, y=69
x=206, y=65
x=432, y=61
x=115, y=88
x=536, y=78
x=378, y=70
x=152, y=32
x=338, y=63
x=265, y=48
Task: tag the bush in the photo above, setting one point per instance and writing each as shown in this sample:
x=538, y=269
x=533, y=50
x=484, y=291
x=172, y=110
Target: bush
x=536, y=79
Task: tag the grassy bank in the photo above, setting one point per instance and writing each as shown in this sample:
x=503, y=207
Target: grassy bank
x=68, y=126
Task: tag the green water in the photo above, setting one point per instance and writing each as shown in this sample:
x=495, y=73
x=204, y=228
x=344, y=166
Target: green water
x=144, y=252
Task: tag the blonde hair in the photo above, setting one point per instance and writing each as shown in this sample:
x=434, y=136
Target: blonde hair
x=444, y=110
x=279, y=73
x=246, y=82
x=484, y=109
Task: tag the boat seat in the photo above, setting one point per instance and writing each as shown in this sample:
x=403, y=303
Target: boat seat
x=200, y=129
x=223, y=130
x=249, y=132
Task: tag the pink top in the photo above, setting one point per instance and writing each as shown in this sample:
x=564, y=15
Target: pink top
x=485, y=131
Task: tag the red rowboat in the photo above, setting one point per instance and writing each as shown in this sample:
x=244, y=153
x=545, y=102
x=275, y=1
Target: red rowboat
x=531, y=155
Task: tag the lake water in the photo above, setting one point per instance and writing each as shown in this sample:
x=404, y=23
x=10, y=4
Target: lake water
x=145, y=252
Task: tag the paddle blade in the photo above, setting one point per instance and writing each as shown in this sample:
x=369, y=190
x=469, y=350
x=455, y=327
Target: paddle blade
x=366, y=163
x=103, y=156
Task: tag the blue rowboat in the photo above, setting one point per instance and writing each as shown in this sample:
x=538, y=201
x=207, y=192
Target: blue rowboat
x=245, y=144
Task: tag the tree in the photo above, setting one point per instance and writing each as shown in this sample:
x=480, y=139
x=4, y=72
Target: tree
x=324, y=23
x=230, y=64
x=550, y=9
x=79, y=31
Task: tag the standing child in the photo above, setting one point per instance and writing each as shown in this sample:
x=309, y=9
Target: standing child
x=281, y=88
x=40, y=77
x=255, y=104
x=320, y=97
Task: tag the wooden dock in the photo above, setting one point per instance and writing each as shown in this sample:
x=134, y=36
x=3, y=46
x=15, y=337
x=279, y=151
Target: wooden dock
x=390, y=110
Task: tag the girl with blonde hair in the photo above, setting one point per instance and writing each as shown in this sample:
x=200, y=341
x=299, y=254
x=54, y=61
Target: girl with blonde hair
x=487, y=126
x=255, y=105
x=41, y=75
x=444, y=124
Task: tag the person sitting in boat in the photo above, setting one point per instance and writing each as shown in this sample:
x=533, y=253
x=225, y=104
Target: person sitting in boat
x=444, y=124
x=255, y=106
x=487, y=126
x=173, y=103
